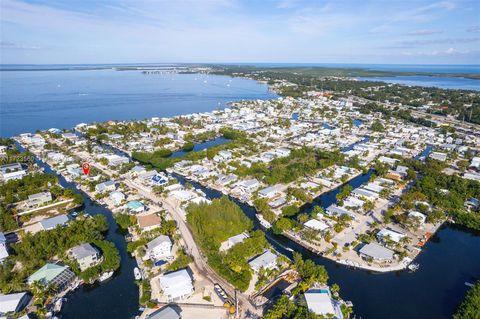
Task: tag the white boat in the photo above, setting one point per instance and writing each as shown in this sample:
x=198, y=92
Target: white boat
x=137, y=273
x=57, y=306
x=413, y=267
x=105, y=276
x=263, y=222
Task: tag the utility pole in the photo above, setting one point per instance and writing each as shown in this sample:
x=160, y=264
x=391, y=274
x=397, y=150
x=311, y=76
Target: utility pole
x=236, y=304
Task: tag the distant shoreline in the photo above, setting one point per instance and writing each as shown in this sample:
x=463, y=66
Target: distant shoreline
x=334, y=70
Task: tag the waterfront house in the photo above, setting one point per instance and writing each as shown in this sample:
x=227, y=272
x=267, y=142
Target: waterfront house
x=232, y=241
x=74, y=170
x=117, y=197
x=12, y=171
x=376, y=252
x=105, y=186
x=267, y=260
x=365, y=193
x=116, y=160
x=438, y=156
x=334, y=210
x=57, y=157
x=320, y=302
x=249, y=186
x=53, y=274
x=86, y=256
x=392, y=235
x=3, y=247
x=148, y=222
x=182, y=195
x=159, y=248
x=316, y=224
x=176, y=285
x=51, y=223
x=278, y=202
x=39, y=199
x=271, y=191
x=166, y=312
x=224, y=180
x=13, y=303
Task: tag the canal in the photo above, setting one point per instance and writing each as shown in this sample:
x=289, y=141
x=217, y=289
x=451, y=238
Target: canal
x=450, y=258
x=118, y=296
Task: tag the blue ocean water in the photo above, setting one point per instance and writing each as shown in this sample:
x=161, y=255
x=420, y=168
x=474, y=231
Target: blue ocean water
x=428, y=68
x=429, y=81
x=31, y=100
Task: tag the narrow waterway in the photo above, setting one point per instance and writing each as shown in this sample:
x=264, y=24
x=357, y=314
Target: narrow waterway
x=450, y=258
x=201, y=146
x=118, y=296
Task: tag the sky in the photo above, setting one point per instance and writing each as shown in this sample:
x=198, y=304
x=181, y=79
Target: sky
x=229, y=31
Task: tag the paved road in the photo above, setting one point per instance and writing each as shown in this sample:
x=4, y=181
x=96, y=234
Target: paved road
x=176, y=212
x=248, y=310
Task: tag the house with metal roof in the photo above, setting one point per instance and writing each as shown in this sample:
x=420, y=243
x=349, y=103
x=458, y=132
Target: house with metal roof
x=86, y=255
x=176, y=285
x=320, y=302
x=13, y=303
x=159, y=248
x=51, y=223
x=376, y=252
x=388, y=233
x=232, y=241
x=53, y=274
x=105, y=186
x=267, y=260
x=164, y=313
x=38, y=199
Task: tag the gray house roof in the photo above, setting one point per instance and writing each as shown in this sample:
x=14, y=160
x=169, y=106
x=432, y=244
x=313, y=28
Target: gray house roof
x=158, y=241
x=53, y=222
x=164, y=313
x=83, y=250
x=376, y=252
x=263, y=260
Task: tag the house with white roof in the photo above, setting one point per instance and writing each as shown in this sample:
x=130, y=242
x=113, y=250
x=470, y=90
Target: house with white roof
x=13, y=303
x=39, y=199
x=85, y=255
x=316, y=224
x=232, y=241
x=271, y=191
x=334, y=210
x=365, y=193
x=12, y=171
x=388, y=233
x=105, y=186
x=376, y=252
x=267, y=260
x=117, y=197
x=438, y=156
x=159, y=248
x=176, y=285
x=249, y=186
x=320, y=302
x=53, y=222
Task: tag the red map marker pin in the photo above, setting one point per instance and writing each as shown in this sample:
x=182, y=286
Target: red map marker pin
x=86, y=168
